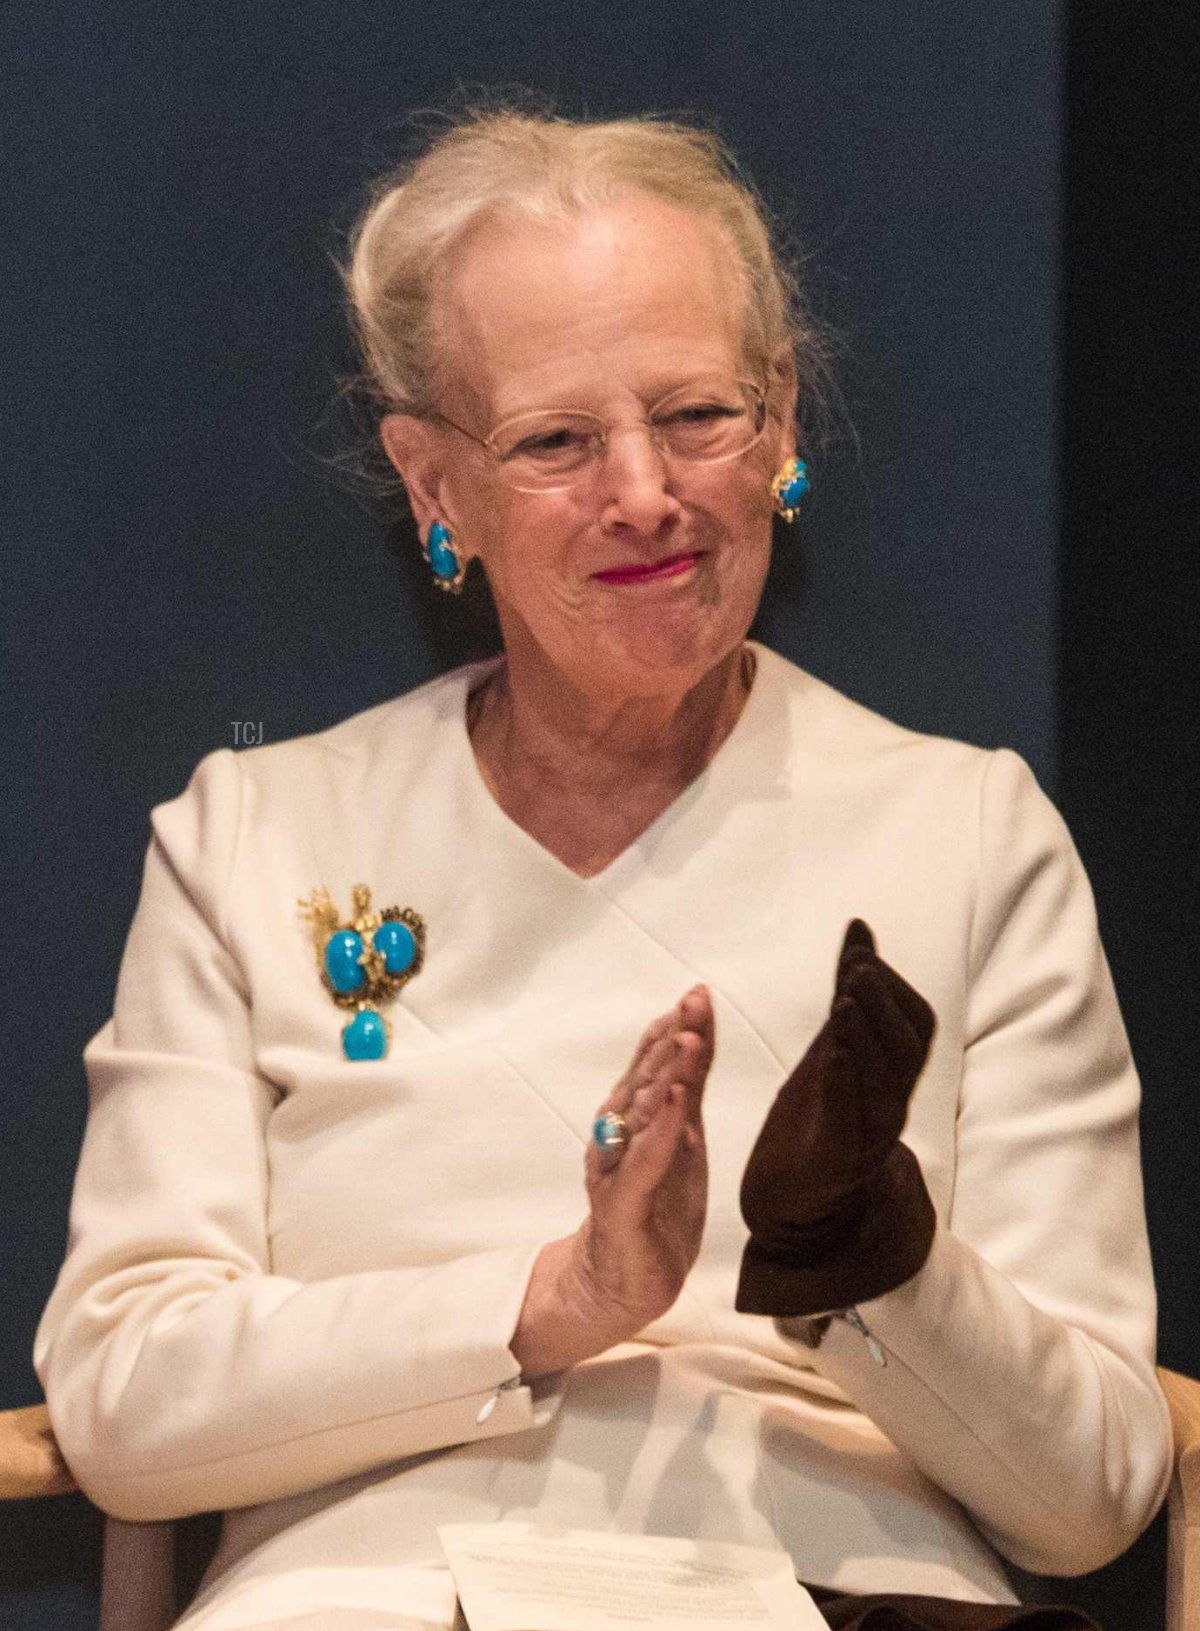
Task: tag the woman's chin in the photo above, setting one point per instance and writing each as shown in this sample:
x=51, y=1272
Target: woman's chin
x=649, y=656
x=677, y=627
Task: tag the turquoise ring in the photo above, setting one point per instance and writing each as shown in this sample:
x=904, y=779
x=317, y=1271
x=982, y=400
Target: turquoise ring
x=609, y=1132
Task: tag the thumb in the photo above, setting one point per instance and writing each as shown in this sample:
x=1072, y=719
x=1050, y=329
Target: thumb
x=858, y=946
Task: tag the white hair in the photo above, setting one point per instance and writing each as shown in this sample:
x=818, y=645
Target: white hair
x=504, y=165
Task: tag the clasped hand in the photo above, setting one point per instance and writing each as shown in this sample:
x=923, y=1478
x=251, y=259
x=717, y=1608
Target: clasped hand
x=626, y=1263
x=836, y=1205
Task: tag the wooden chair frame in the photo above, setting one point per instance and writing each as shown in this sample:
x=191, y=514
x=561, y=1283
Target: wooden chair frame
x=138, y=1584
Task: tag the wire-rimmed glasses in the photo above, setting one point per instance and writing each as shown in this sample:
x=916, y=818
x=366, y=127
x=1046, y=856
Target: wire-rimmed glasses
x=711, y=419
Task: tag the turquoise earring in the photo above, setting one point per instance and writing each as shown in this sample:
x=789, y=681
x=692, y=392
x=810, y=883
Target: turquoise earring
x=789, y=487
x=444, y=561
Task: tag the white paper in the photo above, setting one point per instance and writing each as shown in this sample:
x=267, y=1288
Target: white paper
x=521, y=1577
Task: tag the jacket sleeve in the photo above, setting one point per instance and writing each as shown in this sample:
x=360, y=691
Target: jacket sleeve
x=1019, y=1368
x=180, y=1372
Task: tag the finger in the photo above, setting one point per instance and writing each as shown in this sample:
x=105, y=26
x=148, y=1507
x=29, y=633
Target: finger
x=685, y=1053
x=649, y=1094
x=691, y=1058
x=876, y=1090
x=917, y=1010
x=860, y=1111
x=691, y=1066
x=637, y=1099
x=653, y=1076
x=692, y=1014
x=696, y=1013
x=861, y=1044
x=598, y=1160
x=858, y=949
x=639, y=1094
x=658, y=1058
x=904, y=1046
x=623, y=1181
x=858, y=945
x=652, y=1037
x=649, y=1156
x=644, y=1104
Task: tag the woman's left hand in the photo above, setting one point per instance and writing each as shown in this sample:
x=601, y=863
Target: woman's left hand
x=836, y=1204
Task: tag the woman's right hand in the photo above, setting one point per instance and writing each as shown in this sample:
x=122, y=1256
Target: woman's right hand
x=626, y=1263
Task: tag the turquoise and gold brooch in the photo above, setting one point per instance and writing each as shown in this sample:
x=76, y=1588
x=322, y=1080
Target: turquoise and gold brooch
x=364, y=962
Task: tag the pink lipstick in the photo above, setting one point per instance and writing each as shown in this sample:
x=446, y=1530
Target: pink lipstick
x=669, y=567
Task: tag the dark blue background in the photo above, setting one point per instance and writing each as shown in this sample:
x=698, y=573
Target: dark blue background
x=180, y=551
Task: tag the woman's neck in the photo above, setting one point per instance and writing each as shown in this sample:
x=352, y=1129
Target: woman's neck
x=586, y=775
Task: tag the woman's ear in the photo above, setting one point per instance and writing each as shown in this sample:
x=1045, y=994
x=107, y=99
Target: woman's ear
x=412, y=446
x=782, y=398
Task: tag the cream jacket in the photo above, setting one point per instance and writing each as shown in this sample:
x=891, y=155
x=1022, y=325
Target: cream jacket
x=291, y=1279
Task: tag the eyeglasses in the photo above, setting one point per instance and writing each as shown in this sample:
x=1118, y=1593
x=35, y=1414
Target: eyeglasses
x=712, y=419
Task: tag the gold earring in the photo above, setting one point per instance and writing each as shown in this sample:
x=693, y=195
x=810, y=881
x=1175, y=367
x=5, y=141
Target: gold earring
x=446, y=564
x=789, y=487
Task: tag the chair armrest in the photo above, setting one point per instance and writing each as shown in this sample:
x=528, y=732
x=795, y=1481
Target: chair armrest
x=1183, y=1519
x=30, y=1463
x=137, y=1586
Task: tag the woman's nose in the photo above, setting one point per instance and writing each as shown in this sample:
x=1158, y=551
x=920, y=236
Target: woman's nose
x=635, y=479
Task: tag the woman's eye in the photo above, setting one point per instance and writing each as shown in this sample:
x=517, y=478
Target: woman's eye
x=548, y=443
x=699, y=413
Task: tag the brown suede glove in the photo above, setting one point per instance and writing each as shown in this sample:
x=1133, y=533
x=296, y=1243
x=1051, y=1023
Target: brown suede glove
x=837, y=1208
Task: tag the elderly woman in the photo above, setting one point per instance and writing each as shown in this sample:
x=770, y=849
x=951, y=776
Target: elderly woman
x=333, y=1268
